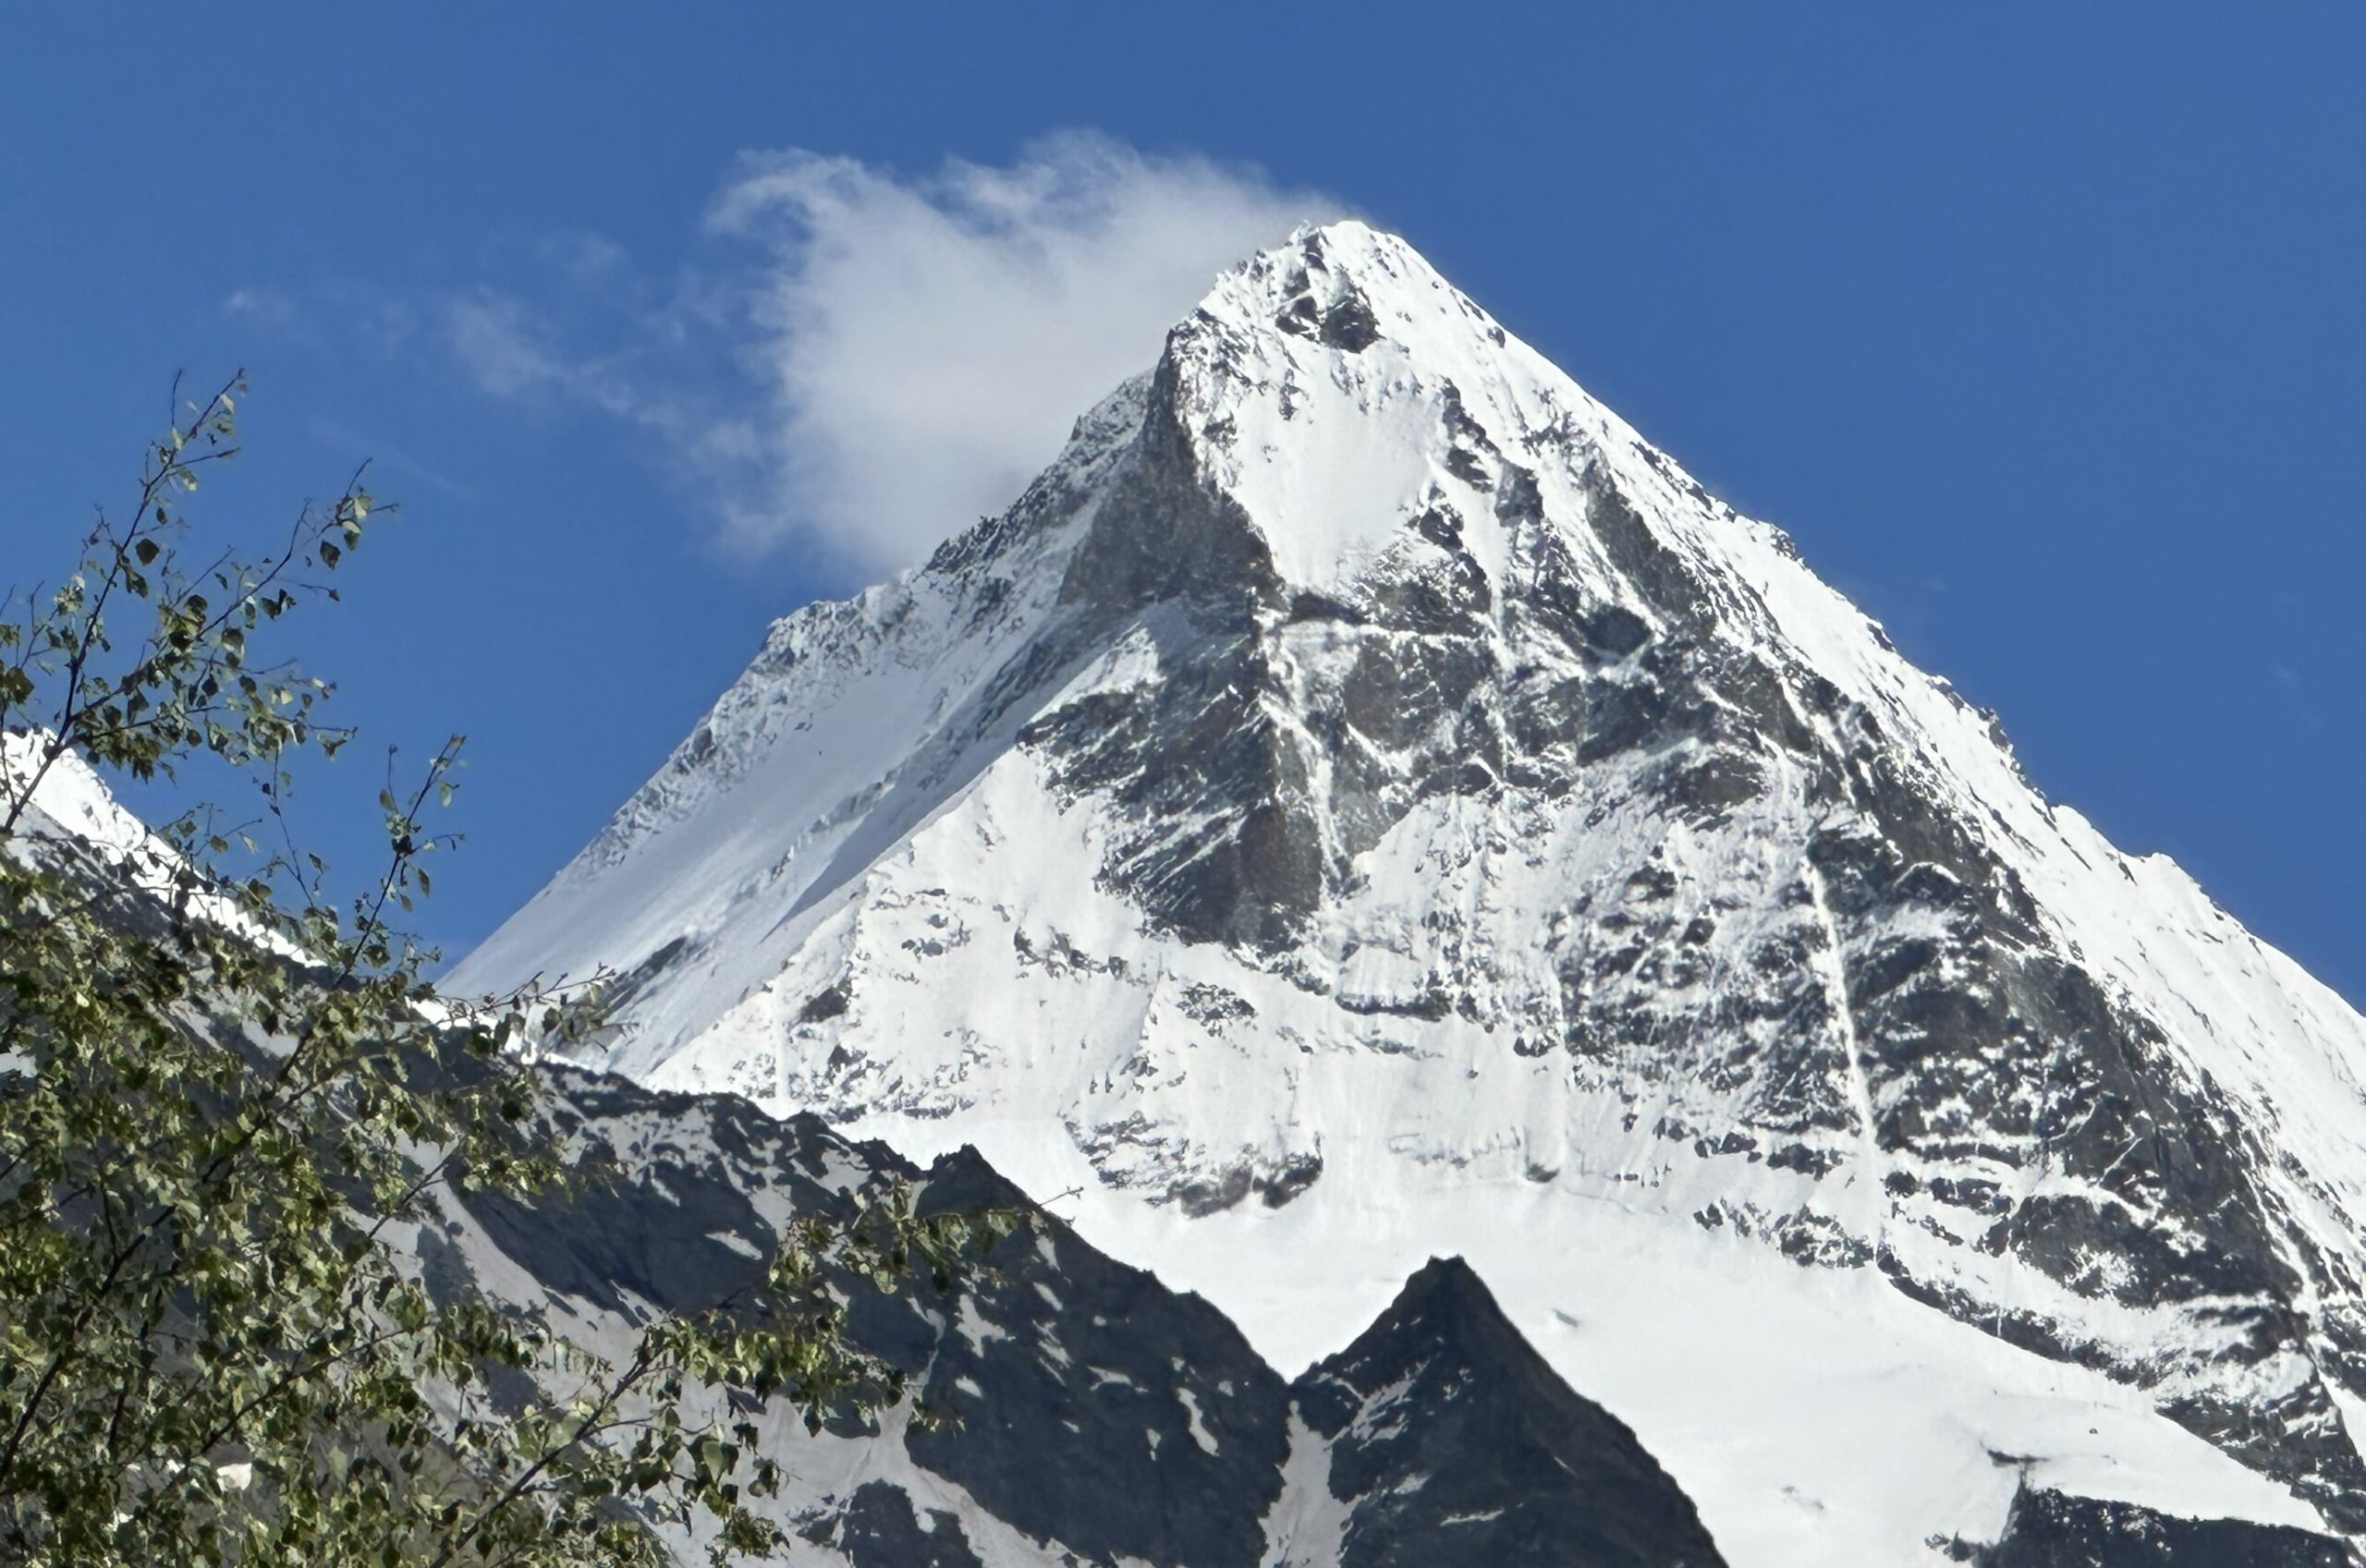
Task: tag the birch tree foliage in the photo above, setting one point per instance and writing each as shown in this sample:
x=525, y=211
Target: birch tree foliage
x=225, y=1092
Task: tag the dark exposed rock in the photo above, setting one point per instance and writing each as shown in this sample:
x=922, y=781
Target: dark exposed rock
x=1452, y=1442
x=2048, y=1529
x=878, y=1528
x=1083, y=1403
x=1110, y=1415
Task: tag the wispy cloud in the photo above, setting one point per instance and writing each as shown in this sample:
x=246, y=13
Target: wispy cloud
x=926, y=342
x=2296, y=698
x=645, y=372
x=385, y=456
x=856, y=363
x=276, y=312
x=491, y=335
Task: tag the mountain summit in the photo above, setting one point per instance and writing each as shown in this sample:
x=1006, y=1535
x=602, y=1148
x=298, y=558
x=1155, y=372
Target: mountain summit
x=1362, y=802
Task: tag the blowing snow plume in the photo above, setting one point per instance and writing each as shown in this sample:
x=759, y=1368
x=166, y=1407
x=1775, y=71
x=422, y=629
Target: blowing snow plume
x=928, y=341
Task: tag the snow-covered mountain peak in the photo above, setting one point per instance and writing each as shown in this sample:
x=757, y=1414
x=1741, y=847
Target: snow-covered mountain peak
x=1328, y=385
x=1363, y=788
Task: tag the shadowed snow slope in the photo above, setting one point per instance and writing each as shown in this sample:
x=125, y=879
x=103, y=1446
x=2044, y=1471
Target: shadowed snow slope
x=1364, y=803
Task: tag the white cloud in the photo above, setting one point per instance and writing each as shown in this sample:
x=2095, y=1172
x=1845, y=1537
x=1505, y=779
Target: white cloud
x=275, y=311
x=510, y=350
x=500, y=348
x=869, y=361
x=926, y=343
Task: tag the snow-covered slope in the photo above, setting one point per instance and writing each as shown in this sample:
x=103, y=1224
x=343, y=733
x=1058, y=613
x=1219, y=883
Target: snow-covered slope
x=64, y=809
x=1362, y=802
x=1077, y=1409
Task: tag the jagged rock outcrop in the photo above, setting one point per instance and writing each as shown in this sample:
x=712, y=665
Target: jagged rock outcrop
x=1082, y=1410
x=1449, y=1441
x=2050, y=1530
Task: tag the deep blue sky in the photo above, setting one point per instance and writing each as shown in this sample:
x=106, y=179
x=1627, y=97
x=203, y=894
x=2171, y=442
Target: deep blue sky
x=2042, y=332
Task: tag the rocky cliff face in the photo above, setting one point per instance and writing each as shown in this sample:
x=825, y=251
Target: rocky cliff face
x=1450, y=1440
x=1364, y=802
x=1082, y=1411
x=2050, y=1530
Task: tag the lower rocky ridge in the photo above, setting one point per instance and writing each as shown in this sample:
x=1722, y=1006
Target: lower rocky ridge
x=1450, y=1440
x=2051, y=1529
x=1090, y=1414
x=1085, y=1412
